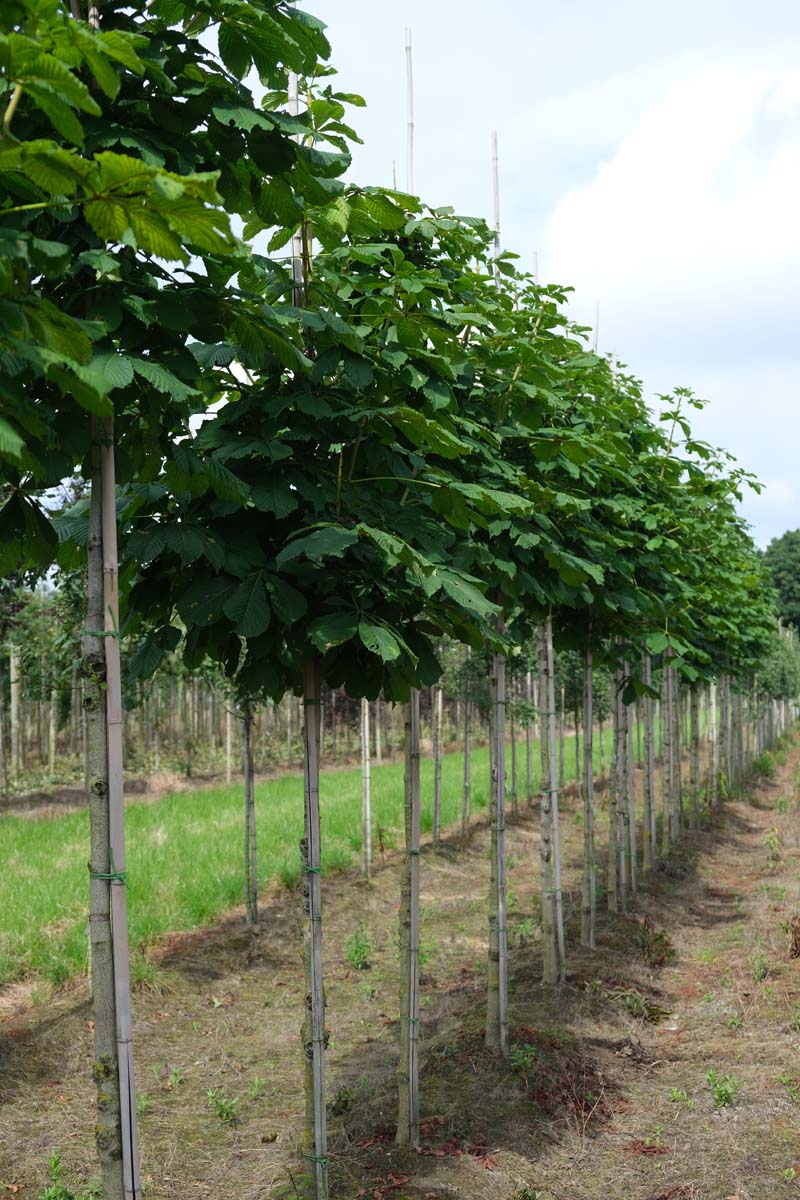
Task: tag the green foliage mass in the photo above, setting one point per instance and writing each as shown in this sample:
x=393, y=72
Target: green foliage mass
x=782, y=560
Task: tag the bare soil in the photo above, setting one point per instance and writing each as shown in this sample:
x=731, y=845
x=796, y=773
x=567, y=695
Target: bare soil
x=598, y=1103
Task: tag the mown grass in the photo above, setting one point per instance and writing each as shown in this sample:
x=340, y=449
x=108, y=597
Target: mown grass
x=184, y=854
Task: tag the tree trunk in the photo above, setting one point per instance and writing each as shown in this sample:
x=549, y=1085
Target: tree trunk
x=250, y=858
x=408, y=1065
x=3, y=759
x=649, y=826
x=497, y=1000
x=315, y=1136
x=437, y=697
x=15, y=690
x=630, y=788
x=713, y=790
x=666, y=760
x=366, y=817
x=589, y=901
x=378, y=722
x=52, y=733
x=467, y=766
x=529, y=739
x=694, y=720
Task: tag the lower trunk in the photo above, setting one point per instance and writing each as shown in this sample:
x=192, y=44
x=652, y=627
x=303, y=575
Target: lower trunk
x=497, y=1001
x=250, y=859
x=694, y=773
x=467, y=766
x=588, y=904
x=315, y=1136
x=408, y=1065
x=15, y=691
x=649, y=826
x=438, y=698
x=529, y=739
x=366, y=815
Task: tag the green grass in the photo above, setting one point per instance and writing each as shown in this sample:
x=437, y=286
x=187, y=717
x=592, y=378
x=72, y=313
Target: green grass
x=184, y=854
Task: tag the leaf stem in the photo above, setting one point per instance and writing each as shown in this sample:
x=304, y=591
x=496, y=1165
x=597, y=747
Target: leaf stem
x=11, y=108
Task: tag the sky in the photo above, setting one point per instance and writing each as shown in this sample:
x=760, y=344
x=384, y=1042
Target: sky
x=649, y=157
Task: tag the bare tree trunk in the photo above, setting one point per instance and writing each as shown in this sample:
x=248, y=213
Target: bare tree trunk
x=250, y=858
x=630, y=787
x=15, y=689
x=3, y=759
x=649, y=826
x=666, y=757
x=366, y=817
x=228, y=742
x=562, y=716
x=620, y=764
x=694, y=719
x=514, y=786
x=713, y=790
x=559, y=896
x=437, y=697
x=408, y=1065
x=52, y=733
x=315, y=1135
x=529, y=739
x=467, y=766
x=589, y=901
x=497, y=999
x=378, y=722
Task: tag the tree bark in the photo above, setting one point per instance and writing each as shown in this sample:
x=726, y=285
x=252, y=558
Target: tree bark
x=250, y=856
x=649, y=826
x=366, y=815
x=408, y=1065
x=437, y=697
x=315, y=1136
x=497, y=997
x=589, y=901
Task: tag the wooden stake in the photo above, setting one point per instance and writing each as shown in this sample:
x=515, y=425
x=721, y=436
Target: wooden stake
x=408, y=1065
x=116, y=812
x=410, y=116
x=366, y=814
x=316, y=1138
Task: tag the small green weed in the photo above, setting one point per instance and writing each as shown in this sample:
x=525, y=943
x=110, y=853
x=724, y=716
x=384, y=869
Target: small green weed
x=681, y=1096
x=792, y=1086
x=656, y=944
x=653, y=1138
x=427, y=948
x=764, y=765
x=526, y=1193
x=522, y=1057
x=257, y=1086
x=724, y=1088
x=794, y=1019
x=358, y=947
x=57, y=1189
x=760, y=967
x=773, y=841
x=780, y=805
x=142, y=1103
x=224, y=1107
x=734, y=1021
x=790, y=1174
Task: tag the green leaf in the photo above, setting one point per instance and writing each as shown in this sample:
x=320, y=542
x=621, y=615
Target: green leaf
x=328, y=541
x=248, y=607
x=288, y=604
x=378, y=640
x=11, y=444
x=275, y=496
x=332, y=630
x=233, y=50
x=162, y=379
x=203, y=602
x=465, y=594
x=657, y=642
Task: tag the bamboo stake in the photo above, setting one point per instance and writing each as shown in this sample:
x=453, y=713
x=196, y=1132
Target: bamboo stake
x=438, y=698
x=467, y=751
x=497, y=990
x=408, y=1064
x=551, y=704
x=116, y=810
x=250, y=859
x=649, y=827
x=529, y=738
x=366, y=814
x=589, y=899
x=410, y=116
x=314, y=1040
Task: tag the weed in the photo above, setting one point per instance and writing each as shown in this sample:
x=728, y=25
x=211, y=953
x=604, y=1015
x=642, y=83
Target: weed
x=257, y=1086
x=764, y=765
x=790, y=1174
x=706, y=954
x=142, y=1103
x=656, y=944
x=780, y=805
x=368, y=991
x=522, y=1057
x=653, y=1139
x=734, y=1021
x=225, y=1107
x=681, y=1096
x=773, y=841
x=57, y=1189
x=175, y=1078
x=427, y=949
x=760, y=967
x=358, y=947
x=792, y=1086
x=724, y=1088
x=526, y=1193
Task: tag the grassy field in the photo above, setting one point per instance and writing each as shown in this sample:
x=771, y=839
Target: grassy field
x=184, y=854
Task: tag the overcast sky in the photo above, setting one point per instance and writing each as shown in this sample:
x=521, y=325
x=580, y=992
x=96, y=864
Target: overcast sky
x=650, y=156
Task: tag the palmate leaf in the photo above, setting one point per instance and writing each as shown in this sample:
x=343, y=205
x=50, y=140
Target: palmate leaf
x=248, y=607
x=11, y=444
x=288, y=604
x=379, y=640
x=58, y=112
x=275, y=496
x=329, y=541
x=333, y=630
x=233, y=50
x=162, y=379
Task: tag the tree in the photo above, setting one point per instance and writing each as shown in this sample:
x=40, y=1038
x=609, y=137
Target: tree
x=782, y=560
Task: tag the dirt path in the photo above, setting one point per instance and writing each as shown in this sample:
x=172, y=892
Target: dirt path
x=586, y=1111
